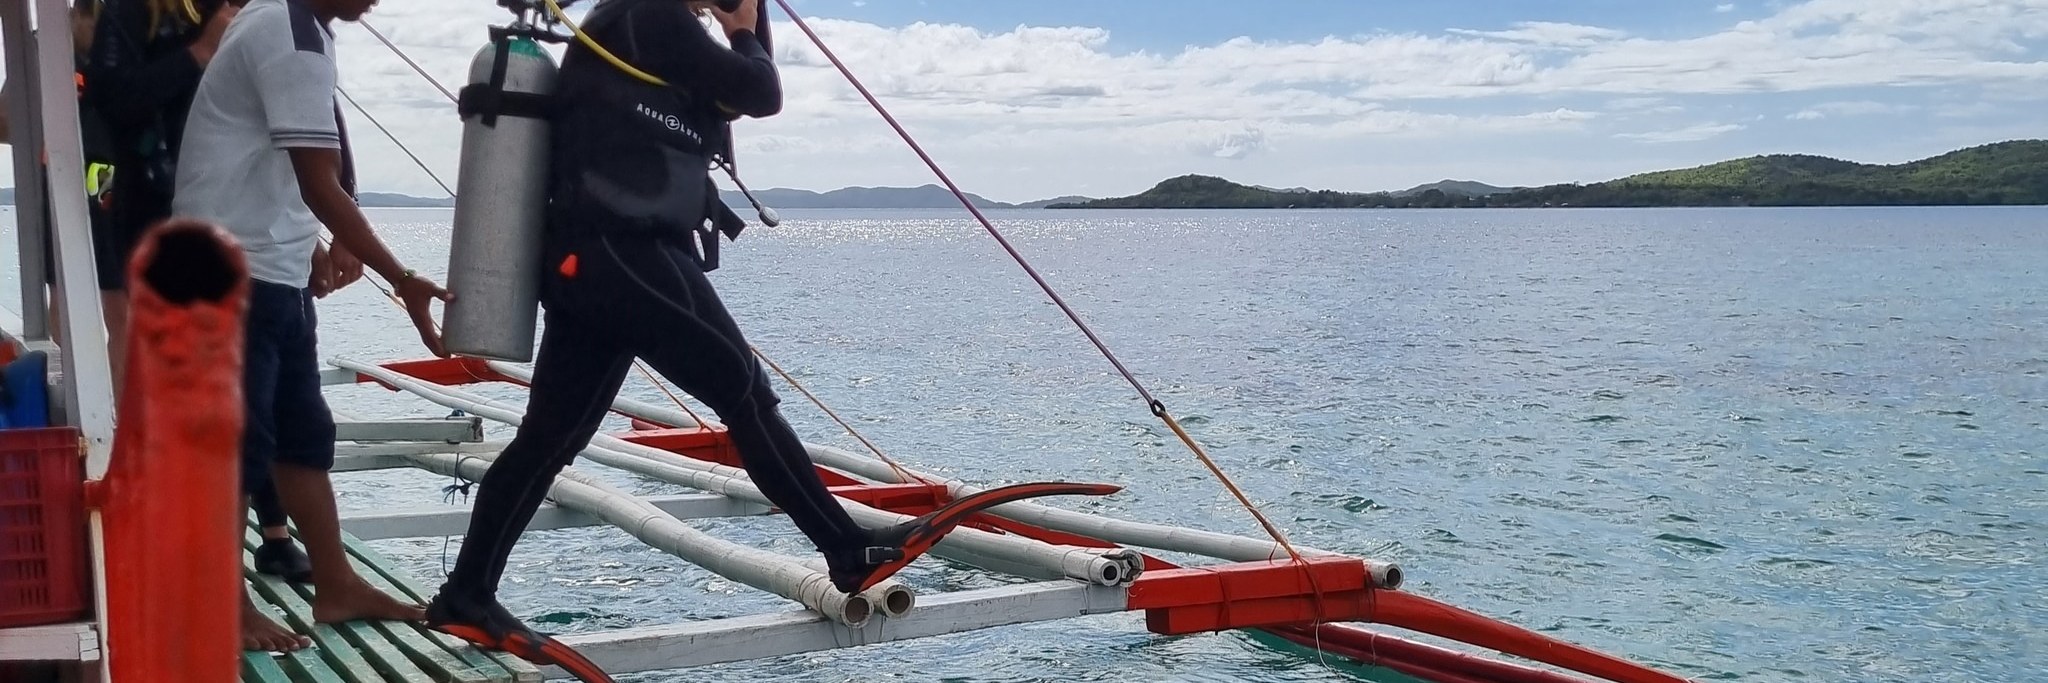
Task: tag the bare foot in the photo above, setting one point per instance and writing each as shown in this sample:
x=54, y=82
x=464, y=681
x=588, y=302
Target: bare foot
x=359, y=600
x=260, y=633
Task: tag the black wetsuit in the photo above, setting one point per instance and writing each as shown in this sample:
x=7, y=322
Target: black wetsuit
x=623, y=279
x=98, y=151
x=141, y=77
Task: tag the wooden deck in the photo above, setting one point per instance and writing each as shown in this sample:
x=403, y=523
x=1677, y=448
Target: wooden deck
x=368, y=652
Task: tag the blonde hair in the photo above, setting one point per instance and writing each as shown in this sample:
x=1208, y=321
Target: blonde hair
x=183, y=9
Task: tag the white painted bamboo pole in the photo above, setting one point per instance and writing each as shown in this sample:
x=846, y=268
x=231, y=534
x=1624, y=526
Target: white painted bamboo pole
x=761, y=569
x=1123, y=532
x=890, y=596
x=1013, y=554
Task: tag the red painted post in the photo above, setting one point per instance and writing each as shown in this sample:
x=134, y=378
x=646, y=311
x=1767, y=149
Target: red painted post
x=171, y=499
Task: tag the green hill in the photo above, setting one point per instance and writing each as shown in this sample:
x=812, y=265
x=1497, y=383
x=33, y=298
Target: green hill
x=1205, y=192
x=2003, y=173
x=2013, y=172
x=1458, y=188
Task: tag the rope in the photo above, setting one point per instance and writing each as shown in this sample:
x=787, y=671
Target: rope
x=637, y=364
x=905, y=474
x=408, y=60
x=394, y=140
x=701, y=424
x=1157, y=407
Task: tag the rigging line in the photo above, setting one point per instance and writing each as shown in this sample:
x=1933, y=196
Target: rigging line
x=651, y=377
x=1157, y=407
x=394, y=140
x=907, y=475
x=408, y=60
x=701, y=424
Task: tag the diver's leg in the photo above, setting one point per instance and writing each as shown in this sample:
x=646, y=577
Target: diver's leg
x=278, y=556
x=688, y=336
x=575, y=378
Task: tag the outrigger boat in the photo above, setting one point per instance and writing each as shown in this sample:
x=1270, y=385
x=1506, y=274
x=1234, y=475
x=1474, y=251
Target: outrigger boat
x=162, y=503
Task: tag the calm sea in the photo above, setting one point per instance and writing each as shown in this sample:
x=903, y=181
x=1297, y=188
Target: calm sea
x=1754, y=445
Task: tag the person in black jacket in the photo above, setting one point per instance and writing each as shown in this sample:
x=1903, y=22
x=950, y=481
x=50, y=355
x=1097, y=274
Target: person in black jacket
x=98, y=152
x=144, y=66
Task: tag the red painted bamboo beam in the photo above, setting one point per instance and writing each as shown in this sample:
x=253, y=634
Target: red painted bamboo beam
x=1379, y=649
x=1423, y=615
x=171, y=501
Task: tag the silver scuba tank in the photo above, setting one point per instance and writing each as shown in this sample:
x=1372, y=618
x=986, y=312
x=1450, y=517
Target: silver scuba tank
x=494, y=260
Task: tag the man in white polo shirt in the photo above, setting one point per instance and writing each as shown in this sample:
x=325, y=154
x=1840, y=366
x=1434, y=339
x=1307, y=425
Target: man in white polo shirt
x=264, y=157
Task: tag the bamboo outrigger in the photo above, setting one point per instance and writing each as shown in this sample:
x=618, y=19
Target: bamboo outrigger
x=1077, y=564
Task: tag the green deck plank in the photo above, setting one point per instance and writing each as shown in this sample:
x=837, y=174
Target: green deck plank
x=419, y=643
x=307, y=666
x=382, y=656
x=428, y=652
x=338, y=652
x=259, y=667
x=406, y=653
x=516, y=669
x=385, y=656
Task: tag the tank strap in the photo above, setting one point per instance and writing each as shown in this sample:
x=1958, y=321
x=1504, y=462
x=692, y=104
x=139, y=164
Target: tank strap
x=490, y=100
x=721, y=221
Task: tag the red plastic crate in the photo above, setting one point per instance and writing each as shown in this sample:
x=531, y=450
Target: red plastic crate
x=42, y=527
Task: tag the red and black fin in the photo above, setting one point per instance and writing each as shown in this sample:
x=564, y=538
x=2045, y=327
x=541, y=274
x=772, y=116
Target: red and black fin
x=895, y=547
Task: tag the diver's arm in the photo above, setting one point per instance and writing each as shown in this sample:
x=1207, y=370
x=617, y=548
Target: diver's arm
x=678, y=49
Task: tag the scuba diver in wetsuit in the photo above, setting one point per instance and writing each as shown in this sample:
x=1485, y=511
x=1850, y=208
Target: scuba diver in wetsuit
x=630, y=187
x=625, y=251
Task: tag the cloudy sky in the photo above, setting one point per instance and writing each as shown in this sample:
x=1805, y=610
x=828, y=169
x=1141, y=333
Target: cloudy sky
x=1024, y=99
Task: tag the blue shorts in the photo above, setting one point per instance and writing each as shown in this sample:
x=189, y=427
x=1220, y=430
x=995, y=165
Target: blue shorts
x=287, y=420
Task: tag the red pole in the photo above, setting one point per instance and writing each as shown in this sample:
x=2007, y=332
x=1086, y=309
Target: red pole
x=170, y=501
x=1371, y=647
x=1417, y=613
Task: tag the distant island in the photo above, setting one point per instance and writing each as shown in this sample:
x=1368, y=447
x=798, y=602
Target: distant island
x=2013, y=172
x=387, y=200
x=922, y=197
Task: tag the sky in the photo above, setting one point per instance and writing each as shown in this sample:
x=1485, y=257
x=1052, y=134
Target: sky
x=1028, y=99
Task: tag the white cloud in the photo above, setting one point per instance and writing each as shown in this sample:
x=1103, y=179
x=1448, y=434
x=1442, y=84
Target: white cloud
x=1967, y=111
x=1846, y=109
x=1002, y=99
x=1549, y=33
x=1704, y=131
x=1725, y=8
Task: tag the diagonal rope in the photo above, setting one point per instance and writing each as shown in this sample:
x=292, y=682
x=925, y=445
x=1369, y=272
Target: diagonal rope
x=408, y=60
x=394, y=140
x=1157, y=407
x=907, y=475
x=651, y=377
x=658, y=384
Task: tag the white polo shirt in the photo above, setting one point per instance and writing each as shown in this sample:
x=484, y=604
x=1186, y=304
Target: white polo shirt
x=269, y=88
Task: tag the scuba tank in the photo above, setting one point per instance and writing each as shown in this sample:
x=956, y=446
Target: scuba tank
x=494, y=260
